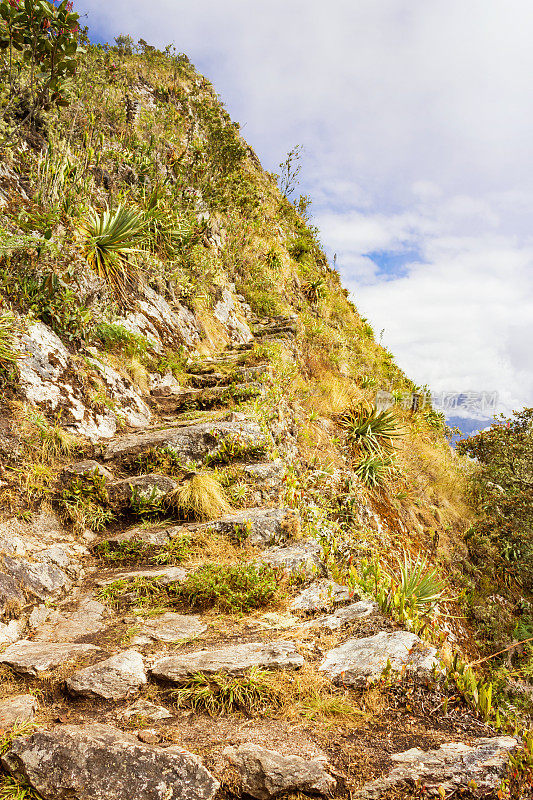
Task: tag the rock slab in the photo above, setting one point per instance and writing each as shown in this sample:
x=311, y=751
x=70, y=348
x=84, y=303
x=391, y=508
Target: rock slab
x=173, y=627
x=320, y=596
x=358, y=662
x=114, y=679
x=99, y=762
x=258, y=526
x=31, y=658
x=267, y=773
x=451, y=767
x=233, y=661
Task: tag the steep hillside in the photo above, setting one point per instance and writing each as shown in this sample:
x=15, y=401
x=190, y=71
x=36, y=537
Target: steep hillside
x=225, y=569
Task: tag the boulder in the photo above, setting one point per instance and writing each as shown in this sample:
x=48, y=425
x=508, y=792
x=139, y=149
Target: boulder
x=99, y=762
x=20, y=708
x=194, y=442
x=451, y=767
x=358, y=662
x=258, y=526
x=32, y=658
x=230, y=314
x=11, y=631
x=233, y=661
x=11, y=597
x=266, y=476
x=320, y=596
x=267, y=773
x=114, y=679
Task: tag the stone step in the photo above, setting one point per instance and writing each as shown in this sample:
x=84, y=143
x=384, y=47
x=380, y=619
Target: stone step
x=322, y=595
x=257, y=526
x=205, y=399
x=140, y=489
x=233, y=438
x=237, y=375
x=169, y=627
x=233, y=661
x=164, y=575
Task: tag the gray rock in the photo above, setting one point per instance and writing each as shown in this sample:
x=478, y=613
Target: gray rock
x=230, y=314
x=320, y=596
x=164, y=575
x=48, y=378
x=343, y=616
x=452, y=766
x=39, y=579
x=301, y=557
x=99, y=762
x=86, y=467
x=193, y=442
x=151, y=487
x=31, y=658
x=360, y=661
x=267, y=773
x=20, y=708
x=70, y=626
x=114, y=679
x=258, y=526
x=234, y=661
x=10, y=632
x=11, y=597
x=267, y=477
x=172, y=627
x=146, y=711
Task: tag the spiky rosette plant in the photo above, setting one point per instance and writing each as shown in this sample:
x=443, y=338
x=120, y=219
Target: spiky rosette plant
x=374, y=469
x=111, y=241
x=371, y=430
x=420, y=587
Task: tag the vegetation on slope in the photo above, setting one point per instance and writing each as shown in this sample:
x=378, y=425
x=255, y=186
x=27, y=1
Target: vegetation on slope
x=125, y=170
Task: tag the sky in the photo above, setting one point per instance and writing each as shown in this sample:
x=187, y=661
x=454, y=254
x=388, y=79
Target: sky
x=416, y=123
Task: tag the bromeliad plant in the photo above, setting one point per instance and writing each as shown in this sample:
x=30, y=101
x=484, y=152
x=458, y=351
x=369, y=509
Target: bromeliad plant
x=371, y=431
x=111, y=240
x=374, y=469
x=411, y=597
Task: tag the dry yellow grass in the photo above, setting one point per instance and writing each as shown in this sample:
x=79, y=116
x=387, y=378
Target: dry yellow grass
x=201, y=497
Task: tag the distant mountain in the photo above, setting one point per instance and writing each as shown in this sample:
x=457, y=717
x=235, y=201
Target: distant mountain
x=467, y=425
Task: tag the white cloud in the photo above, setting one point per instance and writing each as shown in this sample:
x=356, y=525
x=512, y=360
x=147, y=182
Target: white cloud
x=417, y=125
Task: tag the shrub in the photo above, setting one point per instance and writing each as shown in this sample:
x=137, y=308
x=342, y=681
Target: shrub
x=230, y=587
x=110, y=241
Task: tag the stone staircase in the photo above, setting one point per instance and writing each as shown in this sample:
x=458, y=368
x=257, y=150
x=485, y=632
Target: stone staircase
x=108, y=662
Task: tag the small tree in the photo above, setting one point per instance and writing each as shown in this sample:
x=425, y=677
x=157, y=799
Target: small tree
x=503, y=487
x=40, y=42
